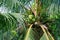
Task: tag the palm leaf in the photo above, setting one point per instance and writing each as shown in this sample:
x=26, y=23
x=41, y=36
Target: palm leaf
x=10, y=24
x=27, y=34
x=46, y=34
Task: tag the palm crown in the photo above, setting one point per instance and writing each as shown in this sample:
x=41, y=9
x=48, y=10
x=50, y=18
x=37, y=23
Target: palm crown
x=30, y=20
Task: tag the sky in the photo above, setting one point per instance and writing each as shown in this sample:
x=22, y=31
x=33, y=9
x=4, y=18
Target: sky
x=4, y=10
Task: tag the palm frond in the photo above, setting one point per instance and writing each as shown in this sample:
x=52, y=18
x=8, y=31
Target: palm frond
x=10, y=24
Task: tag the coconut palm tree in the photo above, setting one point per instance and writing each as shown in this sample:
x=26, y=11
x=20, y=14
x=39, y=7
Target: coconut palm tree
x=29, y=19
